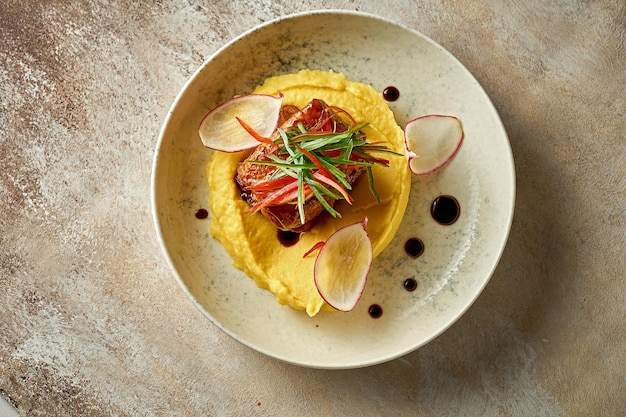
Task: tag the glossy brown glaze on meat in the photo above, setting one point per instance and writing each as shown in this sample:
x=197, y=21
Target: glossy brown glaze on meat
x=286, y=216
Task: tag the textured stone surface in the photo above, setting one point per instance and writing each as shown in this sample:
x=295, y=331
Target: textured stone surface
x=93, y=324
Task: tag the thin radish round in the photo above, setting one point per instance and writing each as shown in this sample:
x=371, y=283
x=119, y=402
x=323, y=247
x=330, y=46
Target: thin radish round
x=431, y=142
x=220, y=129
x=342, y=266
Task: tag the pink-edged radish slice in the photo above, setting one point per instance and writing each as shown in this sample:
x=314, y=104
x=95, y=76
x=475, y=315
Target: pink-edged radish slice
x=342, y=266
x=220, y=129
x=431, y=142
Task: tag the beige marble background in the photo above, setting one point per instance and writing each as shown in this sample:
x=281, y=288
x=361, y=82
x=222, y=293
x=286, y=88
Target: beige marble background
x=92, y=323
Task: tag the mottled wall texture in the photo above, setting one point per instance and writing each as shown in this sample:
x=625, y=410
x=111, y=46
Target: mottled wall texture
x=92, y=322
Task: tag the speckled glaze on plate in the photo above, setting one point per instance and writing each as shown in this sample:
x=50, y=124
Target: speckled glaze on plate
x=458, y=259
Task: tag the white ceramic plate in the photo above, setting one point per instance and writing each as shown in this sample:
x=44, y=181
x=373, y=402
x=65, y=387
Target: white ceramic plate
x=458, y=259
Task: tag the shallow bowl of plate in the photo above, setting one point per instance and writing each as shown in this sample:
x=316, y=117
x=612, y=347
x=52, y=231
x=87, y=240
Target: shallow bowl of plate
x=458, y=259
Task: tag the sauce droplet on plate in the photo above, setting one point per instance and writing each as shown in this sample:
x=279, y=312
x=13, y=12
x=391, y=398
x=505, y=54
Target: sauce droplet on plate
x=375, y=311
x=414, y=247
x=391, y=93
x=201, y=214
x=287, y=238
x=410, y=284
x=445, y=210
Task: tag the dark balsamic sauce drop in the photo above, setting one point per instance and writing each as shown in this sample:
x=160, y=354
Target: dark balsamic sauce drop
x=375, y=311
x=410, y=284
x=445, y=210
x=391, y=93
x=414, y=247
x=287, y=238
x=201, y=214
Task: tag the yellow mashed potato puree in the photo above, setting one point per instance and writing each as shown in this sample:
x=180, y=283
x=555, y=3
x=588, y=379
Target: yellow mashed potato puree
x=251, y=240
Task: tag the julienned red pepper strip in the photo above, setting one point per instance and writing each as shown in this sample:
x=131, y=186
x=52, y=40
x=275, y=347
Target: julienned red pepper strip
x=282, y=196
x=274, y=197
x=315, y=247
x=252, y=132
x=291, y=197
x=273, y=184
x=316, y=162
x=328, y=181
x=334, y=152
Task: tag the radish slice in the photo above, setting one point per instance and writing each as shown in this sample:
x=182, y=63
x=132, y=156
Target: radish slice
x=437, y=139
x=342, y=265
x=220, y=129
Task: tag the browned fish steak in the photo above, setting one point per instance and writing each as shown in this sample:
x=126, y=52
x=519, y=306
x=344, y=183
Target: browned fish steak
x=286, y=216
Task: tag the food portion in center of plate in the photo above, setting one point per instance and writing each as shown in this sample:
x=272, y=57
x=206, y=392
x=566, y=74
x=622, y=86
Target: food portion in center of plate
x=318, y=150
x=286, y=184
